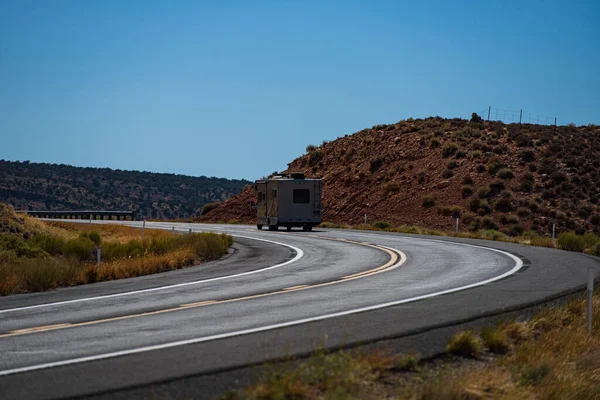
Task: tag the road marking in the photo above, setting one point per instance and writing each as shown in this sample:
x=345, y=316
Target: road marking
x=295, y=287
x=388, y=266
x=518, y=266
x=38, y=329
x=299, y=255
x=198, y=304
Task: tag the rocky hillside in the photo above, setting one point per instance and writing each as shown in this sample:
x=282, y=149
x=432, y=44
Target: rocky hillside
x=33, y=186
x=424, y=172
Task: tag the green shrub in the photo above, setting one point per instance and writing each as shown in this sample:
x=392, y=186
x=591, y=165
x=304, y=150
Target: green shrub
x=310, y=148
x=17, y=246
x=449, y=149
x=571, y=242
x=382, y=225
x=81, y=249
x=93, y=236
x=483, y=192
x=595, y=251
x=465, y=344
x=51, y=244
x=506, y=173
x=315, y=157
x=467, y=190
x=493, y=165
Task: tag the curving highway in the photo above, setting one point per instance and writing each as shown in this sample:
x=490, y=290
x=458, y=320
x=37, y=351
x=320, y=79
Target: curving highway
x=276, y=294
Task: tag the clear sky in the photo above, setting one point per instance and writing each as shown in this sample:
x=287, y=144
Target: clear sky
x=238, y=89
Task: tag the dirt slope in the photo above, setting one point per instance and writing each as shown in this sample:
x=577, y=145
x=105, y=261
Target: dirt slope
x=422, y=172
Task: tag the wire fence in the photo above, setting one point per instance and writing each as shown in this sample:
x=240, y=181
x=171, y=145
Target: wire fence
x=515, y=116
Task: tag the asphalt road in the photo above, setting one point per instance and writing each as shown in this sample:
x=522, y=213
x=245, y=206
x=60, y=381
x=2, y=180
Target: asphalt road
x=276, y=294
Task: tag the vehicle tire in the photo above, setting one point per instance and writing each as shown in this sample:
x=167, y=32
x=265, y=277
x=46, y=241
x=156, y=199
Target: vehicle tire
x=273, y=227
x=309, y=228
x=259, y=226
x=289, y=228
x=304, y=228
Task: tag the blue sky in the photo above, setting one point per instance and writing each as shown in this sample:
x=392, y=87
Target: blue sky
x=238, y=89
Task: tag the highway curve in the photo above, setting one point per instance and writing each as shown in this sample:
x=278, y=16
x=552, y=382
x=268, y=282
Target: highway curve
x=277, y=294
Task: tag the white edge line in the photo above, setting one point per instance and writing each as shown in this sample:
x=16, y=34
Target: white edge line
x=518, y=266
x=299, y=255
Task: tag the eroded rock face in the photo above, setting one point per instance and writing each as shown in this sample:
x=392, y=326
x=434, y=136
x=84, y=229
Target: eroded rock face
x=387, y=171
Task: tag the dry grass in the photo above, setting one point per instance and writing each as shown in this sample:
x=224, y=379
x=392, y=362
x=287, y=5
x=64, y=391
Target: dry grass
x=548, y=357
x=62, y=254
x=110, y=233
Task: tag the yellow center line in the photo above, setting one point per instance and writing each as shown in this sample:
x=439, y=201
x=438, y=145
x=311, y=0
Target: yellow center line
x=295, y=287
x=390, y=265
x=40, y=328
x=200, y=303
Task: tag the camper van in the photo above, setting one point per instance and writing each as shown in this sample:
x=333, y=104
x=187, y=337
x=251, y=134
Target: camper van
x=288, y=200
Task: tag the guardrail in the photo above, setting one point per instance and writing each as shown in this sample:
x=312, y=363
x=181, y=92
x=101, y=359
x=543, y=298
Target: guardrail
x=118, y=215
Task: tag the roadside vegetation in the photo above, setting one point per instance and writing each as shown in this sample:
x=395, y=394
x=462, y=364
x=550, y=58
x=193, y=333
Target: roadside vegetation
x=547, y=357
x=35, y=256
x=588, y=243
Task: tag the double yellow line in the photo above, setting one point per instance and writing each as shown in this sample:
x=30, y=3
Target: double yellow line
x=397, y=258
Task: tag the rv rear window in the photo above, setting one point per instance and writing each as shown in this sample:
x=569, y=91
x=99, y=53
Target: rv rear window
x=301, y=196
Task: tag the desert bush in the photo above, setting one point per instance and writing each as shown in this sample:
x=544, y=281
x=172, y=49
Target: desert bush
x=496, y=187
x=475, y=154
x=81, y=249
x=382, y=225
x=483, y=192
x=571, y=242
x=310, y=148
x=503, y=205
x=480, y=168
x=447, y=174
x=467, y=190
x=451, y=164
x=467, y=180
x=428, y=201
x=19, y=247
x=524, y=212
x=435, y=143
x=315, y=157
x=454, y=211
x=390, y=187
x=527, y=155
x=475, y=203
x=493, y=165
x=495, y=340
x=465, y=344
x=489, y=224
x=449, y=149
x=208, y=207
x=375, y=164
x=506, y=173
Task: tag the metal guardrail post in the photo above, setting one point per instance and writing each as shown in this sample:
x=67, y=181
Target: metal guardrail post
x=590, y=290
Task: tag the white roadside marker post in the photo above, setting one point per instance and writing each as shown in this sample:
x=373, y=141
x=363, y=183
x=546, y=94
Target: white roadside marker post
x=190, y=231
x=553, y=231
x=365, y=219
x=456, y=225
x=172, y=231
x=590, y=290
x=98, y=256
